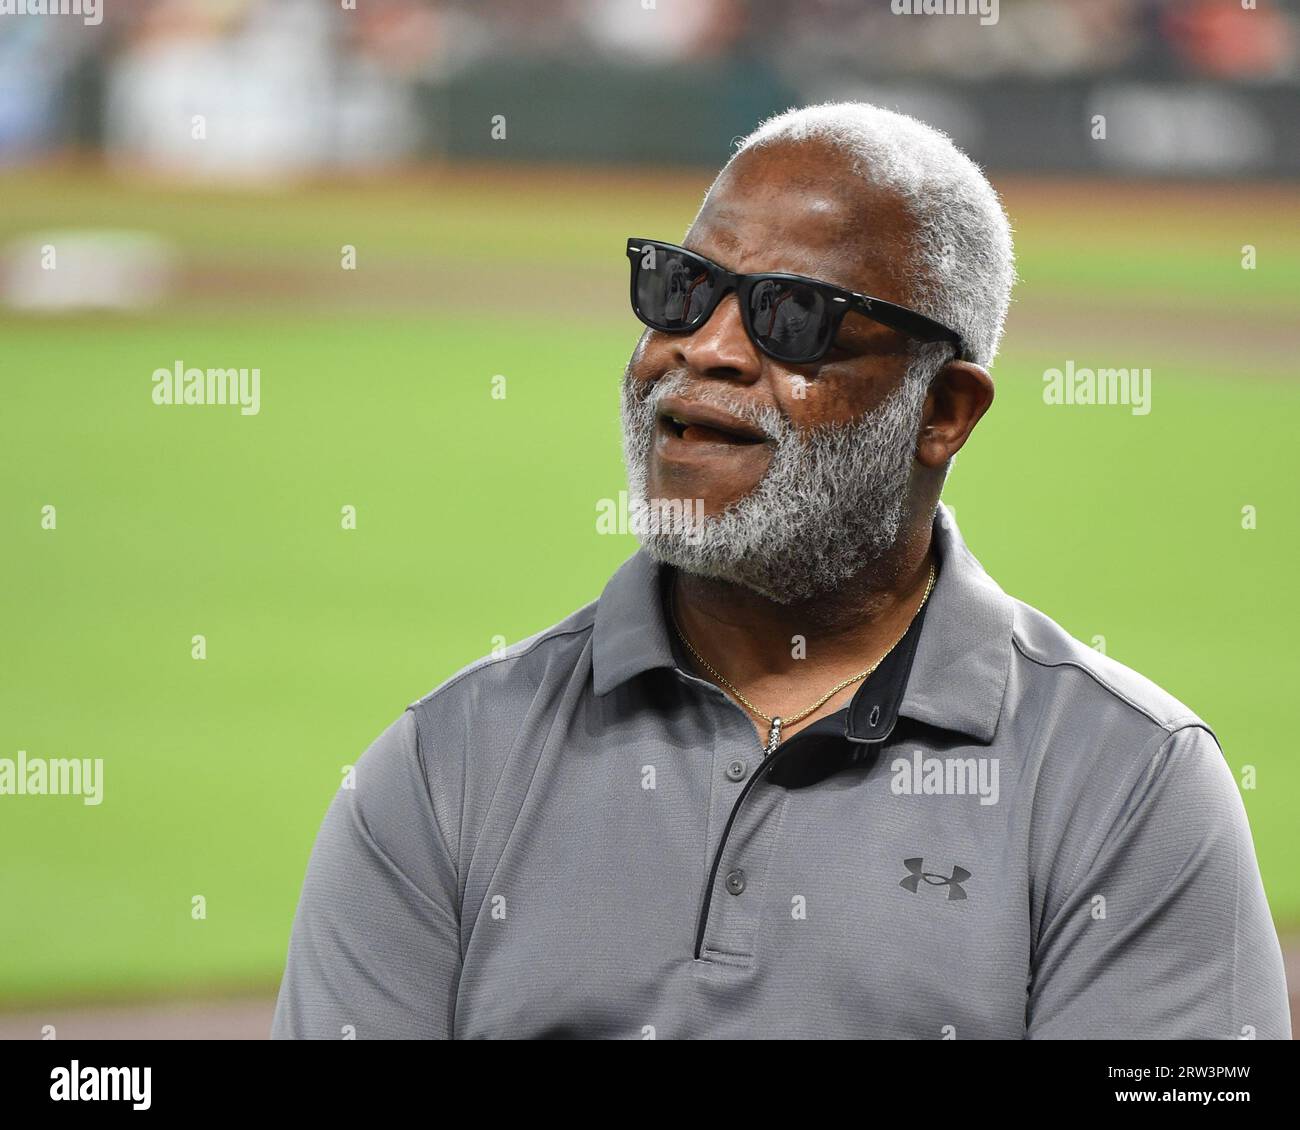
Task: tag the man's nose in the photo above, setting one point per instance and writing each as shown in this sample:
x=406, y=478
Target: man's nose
x=720, y=349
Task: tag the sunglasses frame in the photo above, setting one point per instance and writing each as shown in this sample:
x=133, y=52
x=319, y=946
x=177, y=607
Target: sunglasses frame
x=838, y=301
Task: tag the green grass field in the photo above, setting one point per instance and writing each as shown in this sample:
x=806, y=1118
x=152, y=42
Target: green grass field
x=476, y=516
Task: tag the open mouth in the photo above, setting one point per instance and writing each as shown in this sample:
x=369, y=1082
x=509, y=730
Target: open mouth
x=692, y=432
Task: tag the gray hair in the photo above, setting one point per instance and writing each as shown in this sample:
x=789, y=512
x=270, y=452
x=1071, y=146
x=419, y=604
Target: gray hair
x=965, y=264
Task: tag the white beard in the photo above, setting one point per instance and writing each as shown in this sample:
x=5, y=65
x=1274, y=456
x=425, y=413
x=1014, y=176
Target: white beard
x=829, y=504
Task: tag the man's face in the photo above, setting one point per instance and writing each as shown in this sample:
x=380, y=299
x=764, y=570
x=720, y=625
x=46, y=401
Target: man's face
x=778, y=453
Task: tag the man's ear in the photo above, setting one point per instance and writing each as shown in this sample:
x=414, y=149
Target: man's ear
x=959, y=395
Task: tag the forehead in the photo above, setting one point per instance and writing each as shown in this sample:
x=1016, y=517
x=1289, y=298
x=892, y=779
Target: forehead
x=798, y=208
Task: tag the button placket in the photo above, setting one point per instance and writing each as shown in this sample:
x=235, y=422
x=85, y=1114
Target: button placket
x=731, y=921
x=733, y=915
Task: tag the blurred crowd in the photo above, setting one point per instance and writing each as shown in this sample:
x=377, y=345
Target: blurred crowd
x=1172, y=37
x=310, y=81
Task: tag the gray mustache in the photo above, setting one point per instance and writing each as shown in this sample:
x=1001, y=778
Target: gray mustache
x=768, y=420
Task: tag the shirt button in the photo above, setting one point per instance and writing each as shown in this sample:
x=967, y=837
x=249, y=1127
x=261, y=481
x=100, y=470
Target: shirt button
x=736, y=881
x=737, y=769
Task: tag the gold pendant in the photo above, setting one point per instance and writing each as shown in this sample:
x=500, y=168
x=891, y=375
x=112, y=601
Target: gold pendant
x=773, y=738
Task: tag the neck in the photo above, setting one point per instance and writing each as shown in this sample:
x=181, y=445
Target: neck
x=755, y=642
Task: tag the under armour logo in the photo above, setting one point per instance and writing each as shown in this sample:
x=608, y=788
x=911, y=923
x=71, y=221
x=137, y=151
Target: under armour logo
x=953, y=882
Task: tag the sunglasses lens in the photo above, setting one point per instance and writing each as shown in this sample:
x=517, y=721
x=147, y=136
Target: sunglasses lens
x=791, y=320
x=671, y=291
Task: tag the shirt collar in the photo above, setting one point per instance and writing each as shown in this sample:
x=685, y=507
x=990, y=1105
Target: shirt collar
x=950, y=671
x=963, y=659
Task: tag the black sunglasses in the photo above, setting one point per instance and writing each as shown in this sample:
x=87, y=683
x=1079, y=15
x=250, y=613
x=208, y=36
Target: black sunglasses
x=789, y=317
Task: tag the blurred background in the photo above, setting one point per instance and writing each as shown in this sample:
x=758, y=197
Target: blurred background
x=387, y=207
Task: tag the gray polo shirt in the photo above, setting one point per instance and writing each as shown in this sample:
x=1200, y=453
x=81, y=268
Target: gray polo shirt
x=1004, y=835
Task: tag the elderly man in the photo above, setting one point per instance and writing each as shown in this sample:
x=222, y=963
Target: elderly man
x=803, y=769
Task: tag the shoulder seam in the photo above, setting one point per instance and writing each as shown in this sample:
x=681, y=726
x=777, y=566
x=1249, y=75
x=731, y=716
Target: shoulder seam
x=428, y=788
x=1151, y=750
x=1192, y=722
x=1178, y=722
x=491, y=660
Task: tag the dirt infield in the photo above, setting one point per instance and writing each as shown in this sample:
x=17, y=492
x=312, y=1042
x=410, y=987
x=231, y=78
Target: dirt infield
x=243, y=1019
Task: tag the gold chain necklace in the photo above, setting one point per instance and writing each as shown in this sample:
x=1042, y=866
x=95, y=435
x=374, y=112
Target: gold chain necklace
x=775, y=723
